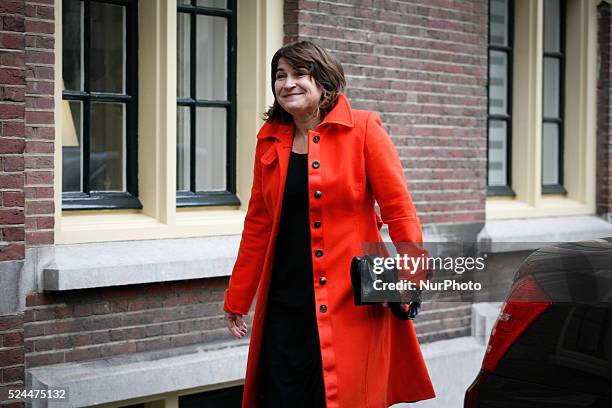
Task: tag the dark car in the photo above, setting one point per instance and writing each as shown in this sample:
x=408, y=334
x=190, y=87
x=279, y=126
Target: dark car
x=552, y=343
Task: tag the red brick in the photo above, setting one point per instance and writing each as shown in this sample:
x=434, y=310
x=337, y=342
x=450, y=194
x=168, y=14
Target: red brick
x=11, y=322
x=40, y=72
x=11, y=181
x=11, y=111
x=37, y=117
x=13, y=199
x=13, y=339
x=33, y=146
x=41, y=12
x=13, y=163
x=38, y=360
x=10, y=76
x=11, y=146
x=12, y=58
x=13, y=234
x=11, y=217
x=12, y=7
x=39, y=192
x=39, y=162
x=13, y=93
x=13, y=129
x=39, y=177
x=39, y=103
x=13, y=23
x=11, y=357
x=45, y=133
x=83, y=354
x=30, y=224
x=39, y=57
x=42, y=27
x=12, y=41
x=40, y=41
x=12, y=374
x=40, y=207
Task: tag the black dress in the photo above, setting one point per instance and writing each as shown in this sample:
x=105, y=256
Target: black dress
x=290, y=373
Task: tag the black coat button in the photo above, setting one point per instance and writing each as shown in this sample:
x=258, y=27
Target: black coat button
x=317, y=224
x=322, y=280
x=318, y=194
x=316, y=139
x=319, y=253
x=316, y=164
x=323, y=308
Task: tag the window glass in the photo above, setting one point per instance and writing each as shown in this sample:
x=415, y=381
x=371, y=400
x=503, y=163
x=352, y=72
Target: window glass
x=211, y=54
x=72, y=45
x=497, y=153
x=107, y=147
x=183, y=149
x=210, y=149
x=107, y=53
x=183, y=51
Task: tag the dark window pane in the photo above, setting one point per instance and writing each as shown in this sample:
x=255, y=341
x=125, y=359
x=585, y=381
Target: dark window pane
x=552, y=26
x=107, y=164
x=72, y=146
x=499, y=21
x=498, y=150
x=183, y=148
x=498, y=82
x=550, y=154
x=211, y=46
x=72, y=43
x=107, y=67
x=182, y=2
x=212, y=3
x=552, y=82
x=183, y=54
x=211, y=146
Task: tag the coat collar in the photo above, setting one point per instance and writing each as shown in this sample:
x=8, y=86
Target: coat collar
x=341, y=114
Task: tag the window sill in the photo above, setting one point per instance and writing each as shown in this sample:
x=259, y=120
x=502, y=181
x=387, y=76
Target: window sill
x=102, y=226
x=144, y=374
x=499, y=208
x=83, y=266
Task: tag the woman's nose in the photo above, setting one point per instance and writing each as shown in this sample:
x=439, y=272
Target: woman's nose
x=289, y=82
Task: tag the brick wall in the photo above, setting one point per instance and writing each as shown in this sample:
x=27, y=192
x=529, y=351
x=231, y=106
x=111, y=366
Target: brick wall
x=604, y=112
x=12, y=113
x=11, y=357
x=39, y=130
x=90, y=324
x=423, y=66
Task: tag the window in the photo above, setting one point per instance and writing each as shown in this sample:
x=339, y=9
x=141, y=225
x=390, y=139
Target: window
x=553, y=106
x=99, y=104
x=206, y=77
x=500, y=98
x=541, y=145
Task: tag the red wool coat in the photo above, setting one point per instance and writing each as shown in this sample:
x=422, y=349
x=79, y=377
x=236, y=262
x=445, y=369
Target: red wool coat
x=370, y=359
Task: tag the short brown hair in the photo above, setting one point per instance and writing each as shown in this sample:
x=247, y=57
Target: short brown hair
x=320, y=64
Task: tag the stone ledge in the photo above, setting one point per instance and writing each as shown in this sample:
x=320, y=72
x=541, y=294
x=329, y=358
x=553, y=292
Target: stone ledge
x=82, y=266
x=138, y=375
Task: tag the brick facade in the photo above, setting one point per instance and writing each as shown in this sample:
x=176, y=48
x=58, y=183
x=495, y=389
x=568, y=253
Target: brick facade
x=422, y=65
x=12, y=128
x=604, y=112
x=91, y=324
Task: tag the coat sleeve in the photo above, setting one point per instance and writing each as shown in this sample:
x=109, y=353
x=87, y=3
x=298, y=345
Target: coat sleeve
x=385, y=176
x=253, y=247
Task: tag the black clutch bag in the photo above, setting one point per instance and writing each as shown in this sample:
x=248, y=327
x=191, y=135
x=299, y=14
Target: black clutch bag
x=363, y=279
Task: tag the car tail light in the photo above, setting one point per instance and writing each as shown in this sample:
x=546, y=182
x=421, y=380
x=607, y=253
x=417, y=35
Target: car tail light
x=471, y=395
x=525, y=303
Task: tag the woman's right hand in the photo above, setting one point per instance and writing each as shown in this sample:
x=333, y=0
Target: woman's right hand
x=236, y=324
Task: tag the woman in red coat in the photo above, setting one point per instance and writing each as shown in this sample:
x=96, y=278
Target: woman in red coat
x=319, y=167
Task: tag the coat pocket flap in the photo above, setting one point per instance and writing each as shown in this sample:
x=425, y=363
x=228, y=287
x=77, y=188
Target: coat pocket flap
x=269, y=156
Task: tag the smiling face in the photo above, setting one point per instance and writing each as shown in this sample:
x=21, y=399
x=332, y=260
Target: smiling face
x=296, y=91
